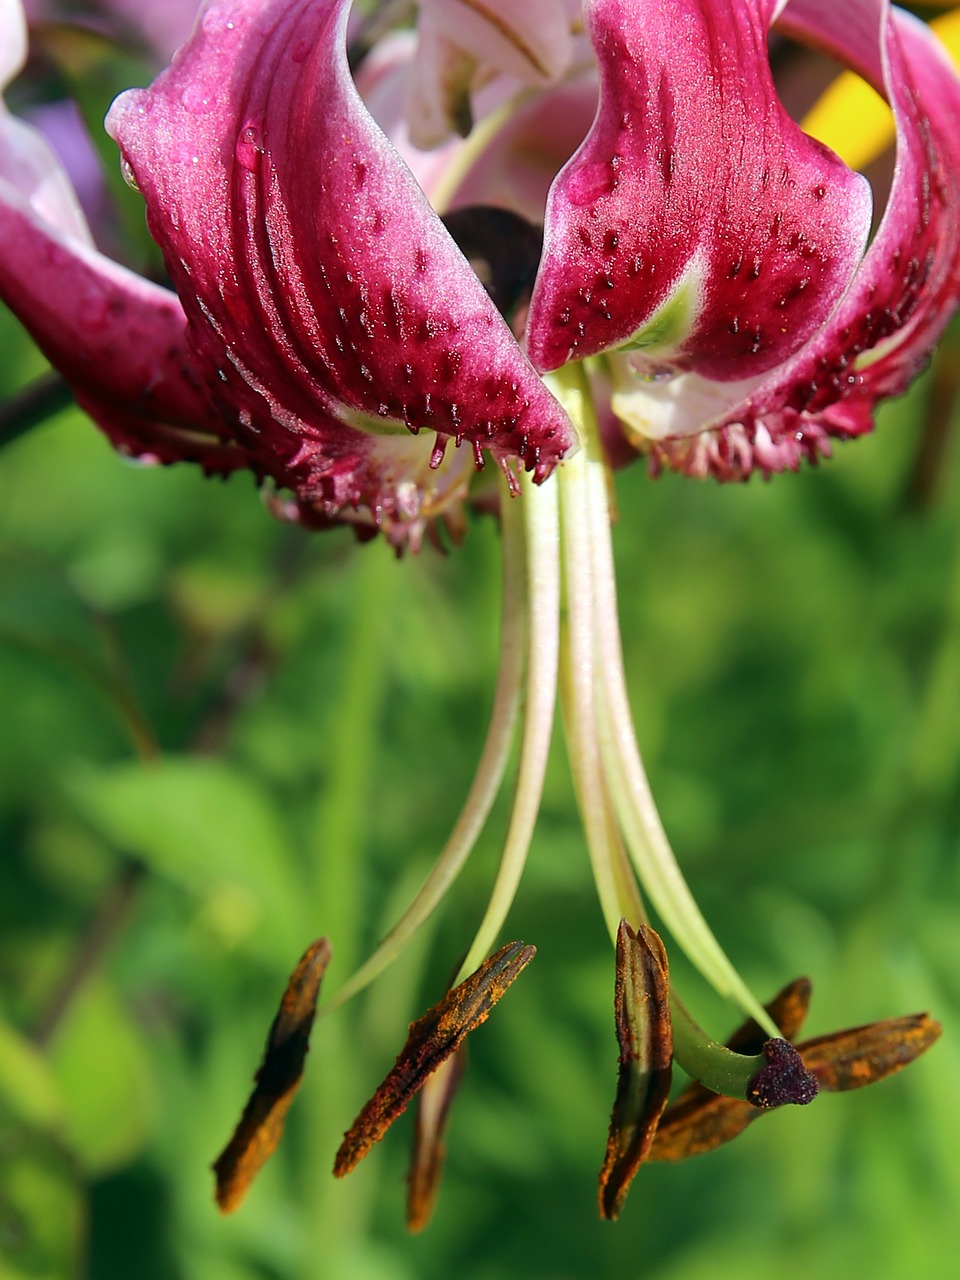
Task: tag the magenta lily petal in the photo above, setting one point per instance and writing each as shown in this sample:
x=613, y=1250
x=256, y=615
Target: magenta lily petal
x=905, y=291
x=324, y=295
x=909, y=282
x=117, y=339
x=697, y=223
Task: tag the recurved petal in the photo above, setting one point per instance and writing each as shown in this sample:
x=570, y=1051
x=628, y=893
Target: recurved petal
x=898, y=303
x=697, y=223
x=909, y=282
x=117, y=339
x=326, y=301
x=29, y=170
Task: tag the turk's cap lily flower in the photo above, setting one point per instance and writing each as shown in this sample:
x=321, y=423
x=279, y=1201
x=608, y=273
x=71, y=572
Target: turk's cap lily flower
x=370, y=324
x=701, y=257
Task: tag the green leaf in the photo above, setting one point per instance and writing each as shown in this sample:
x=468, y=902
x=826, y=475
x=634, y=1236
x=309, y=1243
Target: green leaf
x=103, y=1068
x=40, y=1202
x=210, y=828
x=27, y=1086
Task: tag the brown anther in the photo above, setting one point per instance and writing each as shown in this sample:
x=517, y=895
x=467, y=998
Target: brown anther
x=426, y=1166
x=699, y=1121
x=645, y=1036
x=863, y=1055
x=431, y=1039
x=277, y=1079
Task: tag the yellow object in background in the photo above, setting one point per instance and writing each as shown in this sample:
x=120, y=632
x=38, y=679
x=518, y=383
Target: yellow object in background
x=853, y=120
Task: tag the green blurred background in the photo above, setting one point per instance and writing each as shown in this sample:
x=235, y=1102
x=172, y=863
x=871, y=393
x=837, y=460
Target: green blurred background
x=315, y=709
x=795, y=664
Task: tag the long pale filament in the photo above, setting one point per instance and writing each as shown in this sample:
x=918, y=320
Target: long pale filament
x=539, y=504
x=490, y=770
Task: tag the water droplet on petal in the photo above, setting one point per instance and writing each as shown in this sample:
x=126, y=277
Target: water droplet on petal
x=588, y=182
x=129, y=177
x=249, y=146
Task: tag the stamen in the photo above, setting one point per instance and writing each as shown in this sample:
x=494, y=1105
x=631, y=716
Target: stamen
x=493, y=761
x=626, y=777
x=616, y=885
x=539, y=510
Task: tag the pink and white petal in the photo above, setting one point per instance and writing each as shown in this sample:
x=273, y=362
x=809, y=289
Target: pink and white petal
x=531, y=39
x=383, y=82
x=31, y=173
x=439, y=87
x=13, y=40
x=697, y=223
x=518, y=161
x=320, y=287
x=29, y=169
x=653, y=409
